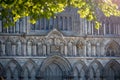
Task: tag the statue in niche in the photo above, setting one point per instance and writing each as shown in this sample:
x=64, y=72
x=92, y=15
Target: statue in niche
x=39, y=49
x=70, y=48
x=79, y=49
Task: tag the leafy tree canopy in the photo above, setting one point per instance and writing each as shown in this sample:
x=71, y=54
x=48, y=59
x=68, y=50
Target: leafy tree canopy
x=12, y=10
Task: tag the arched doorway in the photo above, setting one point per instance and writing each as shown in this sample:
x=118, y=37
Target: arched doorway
x=55, y=68
x=53, y=72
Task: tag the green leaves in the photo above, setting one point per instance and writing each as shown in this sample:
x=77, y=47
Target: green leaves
x=36, y=9
x=97, y=24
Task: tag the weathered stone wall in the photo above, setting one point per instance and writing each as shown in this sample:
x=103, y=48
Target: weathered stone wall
x=55, y=56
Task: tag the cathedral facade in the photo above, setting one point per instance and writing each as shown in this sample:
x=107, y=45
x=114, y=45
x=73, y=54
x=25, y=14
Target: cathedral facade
x=62, y=48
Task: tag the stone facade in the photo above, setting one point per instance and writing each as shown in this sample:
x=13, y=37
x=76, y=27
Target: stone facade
x=62, y=48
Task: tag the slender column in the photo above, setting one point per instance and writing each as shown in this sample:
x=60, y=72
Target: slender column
x=81, y=27
x=109, y=28
x=7, y=30
x=45, y=24
x=48, y=49
x=82, y=21
x=74, y=50
x=104, y=28
x=66, y=50
x=98, y=31
x=63, y=23
x=85, y=23
x=85, y=48
x=14, y=29
x=118, y=29
x=92, y=27
x=17, y=26
x=93, y=50
x=89, y=27
x=24, y=24
x=28, y=25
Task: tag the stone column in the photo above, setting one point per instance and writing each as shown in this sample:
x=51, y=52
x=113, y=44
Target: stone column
x=85, y=23
x=92, y=26
x=109, y=28
x=17, y=27
x=89, y=28
x=63, y=23
x=45, y=51
x=66, y=50
x=104, y=28
x=24, y=24
x=74, y=50
x=85, y=47
x=48, y=49
x=28, y=25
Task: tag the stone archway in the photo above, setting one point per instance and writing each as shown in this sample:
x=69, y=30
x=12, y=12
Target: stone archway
x=55, y=68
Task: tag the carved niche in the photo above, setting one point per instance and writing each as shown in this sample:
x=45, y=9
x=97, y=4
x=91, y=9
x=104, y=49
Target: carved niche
x=55, y=41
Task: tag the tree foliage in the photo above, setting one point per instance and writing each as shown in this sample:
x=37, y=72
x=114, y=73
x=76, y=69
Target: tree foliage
x=12, y=10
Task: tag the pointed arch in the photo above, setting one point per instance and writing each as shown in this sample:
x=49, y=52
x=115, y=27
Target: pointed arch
x=29, y=69
x=11, y=68
x=79, y=70
x=58, y=62
x=96, y=69
x=112, y=70
x=112, y=49
x=2, y=70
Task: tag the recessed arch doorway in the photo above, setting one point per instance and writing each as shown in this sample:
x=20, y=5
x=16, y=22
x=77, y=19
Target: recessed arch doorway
x=55, y=68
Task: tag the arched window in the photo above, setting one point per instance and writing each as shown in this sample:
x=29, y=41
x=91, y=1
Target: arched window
x=70, y=24
x=107, y=28
x=51, y=23
x=95, y=70
x=65, y=23
x=56, y=21
x=47, y=24
x=42, y=23
x=29, y=69
x=112, y=70
x=61, y=23
x=37, y=25
x=79, y=70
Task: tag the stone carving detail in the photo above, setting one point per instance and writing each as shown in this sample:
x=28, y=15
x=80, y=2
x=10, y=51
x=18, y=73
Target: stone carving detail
x=55, y=41
x=80, y=47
